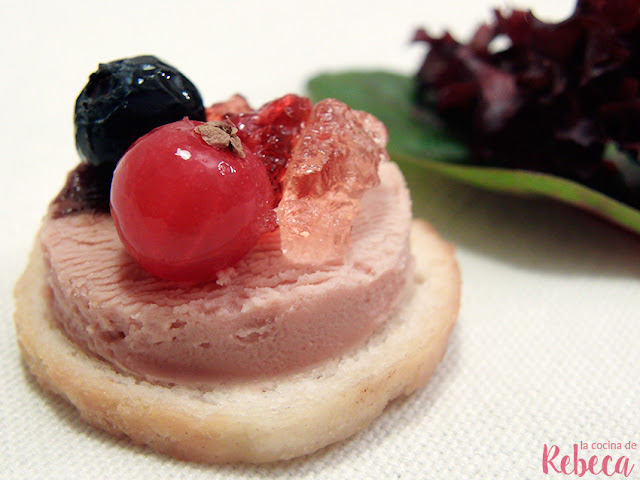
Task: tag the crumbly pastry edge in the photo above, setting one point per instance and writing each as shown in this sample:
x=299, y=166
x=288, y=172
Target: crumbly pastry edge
x=260, y=420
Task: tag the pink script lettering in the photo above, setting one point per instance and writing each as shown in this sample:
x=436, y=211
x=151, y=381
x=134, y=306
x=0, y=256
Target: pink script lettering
x=580, y=466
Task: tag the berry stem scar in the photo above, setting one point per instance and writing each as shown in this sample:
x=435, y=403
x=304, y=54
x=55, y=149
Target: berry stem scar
x=221, y=134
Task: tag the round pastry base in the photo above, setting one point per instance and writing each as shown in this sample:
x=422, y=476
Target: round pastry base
x=258, y=420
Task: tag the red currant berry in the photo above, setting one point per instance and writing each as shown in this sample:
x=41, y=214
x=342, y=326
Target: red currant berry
x=184, y=208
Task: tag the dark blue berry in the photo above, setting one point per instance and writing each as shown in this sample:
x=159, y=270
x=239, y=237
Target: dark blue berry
x=126, y=99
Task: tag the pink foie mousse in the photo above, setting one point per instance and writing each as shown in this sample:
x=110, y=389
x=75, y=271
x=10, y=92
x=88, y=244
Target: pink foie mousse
x=264, y=316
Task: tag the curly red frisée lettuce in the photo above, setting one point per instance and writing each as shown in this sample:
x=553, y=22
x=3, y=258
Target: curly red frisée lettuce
x=561, y=98
x=525, y=107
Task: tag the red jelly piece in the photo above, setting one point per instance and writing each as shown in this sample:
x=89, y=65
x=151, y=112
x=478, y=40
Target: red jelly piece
x=185, y=209
x=272, y=132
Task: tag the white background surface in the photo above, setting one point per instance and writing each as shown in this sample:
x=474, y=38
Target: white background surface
x=546, y=348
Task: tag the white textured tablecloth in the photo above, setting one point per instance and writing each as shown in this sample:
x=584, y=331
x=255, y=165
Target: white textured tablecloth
x=546, y=348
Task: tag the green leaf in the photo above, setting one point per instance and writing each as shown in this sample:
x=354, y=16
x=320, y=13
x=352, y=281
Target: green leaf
x=428, y=143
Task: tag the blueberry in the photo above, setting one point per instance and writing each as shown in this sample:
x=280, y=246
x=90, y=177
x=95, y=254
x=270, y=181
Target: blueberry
x=126, y=99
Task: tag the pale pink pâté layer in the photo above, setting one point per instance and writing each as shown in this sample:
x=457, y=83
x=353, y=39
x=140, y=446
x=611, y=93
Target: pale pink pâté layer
x=264, y=316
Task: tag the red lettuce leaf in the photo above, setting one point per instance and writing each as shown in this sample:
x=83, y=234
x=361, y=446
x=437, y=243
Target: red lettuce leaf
x=553, y=100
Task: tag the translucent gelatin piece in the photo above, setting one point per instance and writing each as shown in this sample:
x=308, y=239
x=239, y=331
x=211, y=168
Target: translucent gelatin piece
x=333, y=163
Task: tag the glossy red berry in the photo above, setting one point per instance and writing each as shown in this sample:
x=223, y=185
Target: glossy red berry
x=185, y=209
